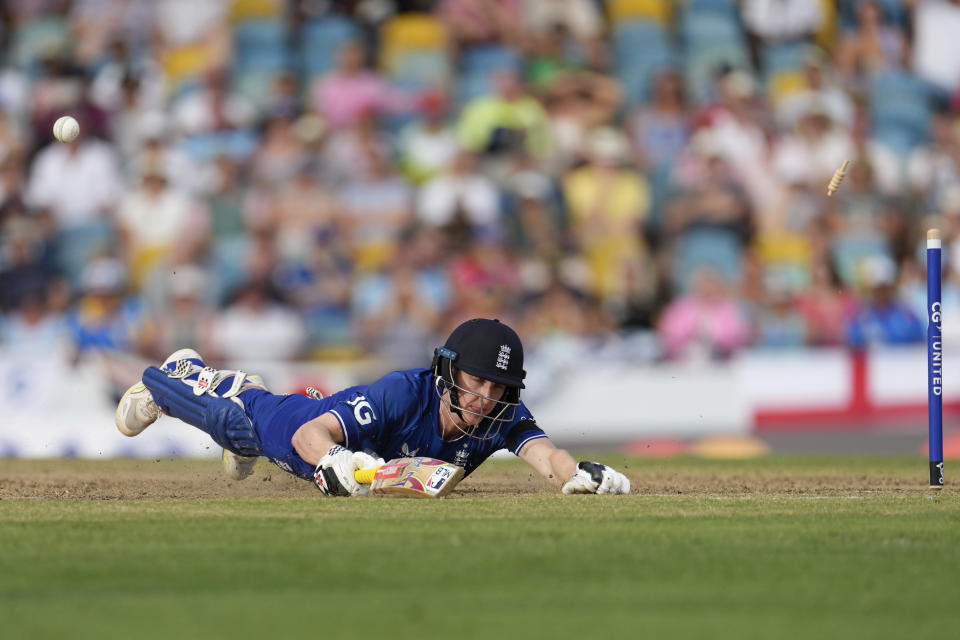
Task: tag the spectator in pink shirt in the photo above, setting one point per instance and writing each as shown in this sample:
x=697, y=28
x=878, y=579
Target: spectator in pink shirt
x=351, y=90
x=706, y=322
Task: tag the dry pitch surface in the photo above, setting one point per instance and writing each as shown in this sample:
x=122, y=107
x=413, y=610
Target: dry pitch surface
x=183, y=479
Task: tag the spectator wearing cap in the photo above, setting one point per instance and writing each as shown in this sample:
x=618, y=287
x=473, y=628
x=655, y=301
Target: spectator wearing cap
x=882, y=319
x=429, y=144
x=34, y=328
x=582, y=19
x=105, y=317
x=24, y=263
x=375, y=208
x=304, y=211
x=212, y=109
x=506, y=121
x=782, y=20
x=708, y=194
x=280, y=154
x=184, y=302
x=815, y=148
x=936, y=49
x=608, y=203
x=826, y=305
x=351, y=91
x=78, y=181
x=348, y=153
x=737, y=125
x=256, y=325
x=460, y=190
x=778, y=21
x=397, y=311
x=478, y=22
x=483, y=279
x=778, y=322
x=912, y=285
x=155, y=218
x=706, y=323
x=859, y=218
x=660, y=130
x=135, y=105
x=820, y=88
x=875, y=43
x=933, y=170
x=577, y=102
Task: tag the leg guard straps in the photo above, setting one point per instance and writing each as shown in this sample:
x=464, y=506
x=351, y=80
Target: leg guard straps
x=222, y=418
x=223, y=383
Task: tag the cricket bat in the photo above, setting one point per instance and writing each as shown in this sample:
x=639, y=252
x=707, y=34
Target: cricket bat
x=411, y=478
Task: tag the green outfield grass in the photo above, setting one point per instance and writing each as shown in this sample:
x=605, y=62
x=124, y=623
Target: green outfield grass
x=779, y=548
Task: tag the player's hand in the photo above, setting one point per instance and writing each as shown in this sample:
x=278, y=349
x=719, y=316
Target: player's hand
x=334, y=472
x=593, y=477
x=363, y=460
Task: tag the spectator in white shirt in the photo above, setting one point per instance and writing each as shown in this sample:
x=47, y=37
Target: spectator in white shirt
x=156, y=217
x=79, y=181
x=460, y=189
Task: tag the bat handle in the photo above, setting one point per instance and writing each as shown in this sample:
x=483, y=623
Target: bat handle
x=365, y=476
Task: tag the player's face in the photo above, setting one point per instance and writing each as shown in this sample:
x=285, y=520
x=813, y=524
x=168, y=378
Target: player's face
x=479, y=396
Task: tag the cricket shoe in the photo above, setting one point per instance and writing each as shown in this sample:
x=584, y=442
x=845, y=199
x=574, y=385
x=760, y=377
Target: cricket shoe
x=136, y=410
x=237, y=467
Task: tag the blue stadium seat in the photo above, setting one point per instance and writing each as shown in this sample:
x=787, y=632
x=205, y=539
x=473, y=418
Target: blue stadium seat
x=35, y=38
x=899, y=109
x=489, y=58
x=418, y=68
x=718, y=249
x=850, y=252
x=784, y=56
x=319, y=41
x=256, y=85
x=637, y=40
x=260, y=45
x=700, y=67
x=704, y=30
x=640, y=48
x=470, y=86
x=894, y=10
x=724, y=7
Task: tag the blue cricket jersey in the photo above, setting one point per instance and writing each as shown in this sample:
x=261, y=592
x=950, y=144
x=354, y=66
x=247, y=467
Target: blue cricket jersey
x=397, y=416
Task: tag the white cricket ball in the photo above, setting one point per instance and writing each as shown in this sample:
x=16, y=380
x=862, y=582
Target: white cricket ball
x=66, y=129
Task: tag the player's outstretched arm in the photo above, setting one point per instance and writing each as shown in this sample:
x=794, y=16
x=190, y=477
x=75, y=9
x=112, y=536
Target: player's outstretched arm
x=318, y=442
x=560, y=469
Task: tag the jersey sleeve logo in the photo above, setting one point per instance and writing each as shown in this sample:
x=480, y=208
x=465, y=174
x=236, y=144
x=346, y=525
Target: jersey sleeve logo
x=362, y=411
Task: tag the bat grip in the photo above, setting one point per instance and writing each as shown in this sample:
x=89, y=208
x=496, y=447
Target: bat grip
x=365, y=476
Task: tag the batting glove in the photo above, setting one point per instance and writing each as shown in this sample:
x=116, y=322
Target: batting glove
x=334, y=472
x=593, y=477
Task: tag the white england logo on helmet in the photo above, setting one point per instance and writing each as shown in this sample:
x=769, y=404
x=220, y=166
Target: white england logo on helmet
x=503, y=358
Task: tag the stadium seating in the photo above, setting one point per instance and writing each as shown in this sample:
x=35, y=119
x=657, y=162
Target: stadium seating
x=478, y=64
x=36, y=39
x=413, y=31
x=711, y=38
x=899, y=109
x=241, y=10
x=260, y=44
x=319, y=41
x=261, y=53
x=413, y=51
x=696, y=248
x=726, y=8
x=619, y=11
x=640, y=49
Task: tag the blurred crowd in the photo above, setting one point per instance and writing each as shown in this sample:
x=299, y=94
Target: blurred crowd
x=309, y=179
